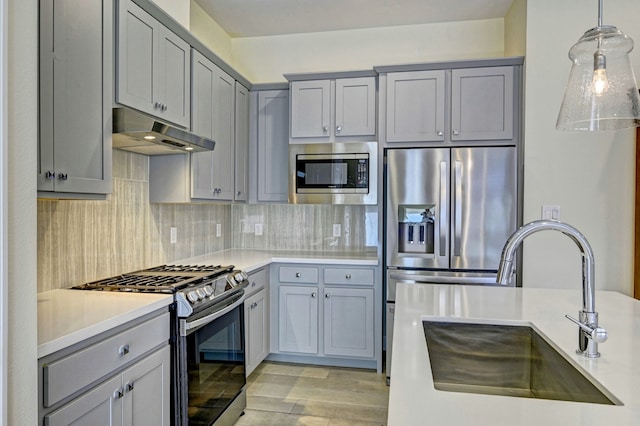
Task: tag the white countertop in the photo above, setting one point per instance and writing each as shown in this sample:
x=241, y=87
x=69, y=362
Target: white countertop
x=413, y=399
x=250, y=260
x=66, y=317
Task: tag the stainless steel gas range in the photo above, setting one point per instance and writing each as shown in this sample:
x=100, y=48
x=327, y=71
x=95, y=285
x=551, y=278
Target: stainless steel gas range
x=208, y=362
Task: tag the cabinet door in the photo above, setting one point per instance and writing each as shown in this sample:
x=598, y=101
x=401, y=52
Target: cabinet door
x=136, y=78
x=355, y=107
x=298, y=319
x=100, y=406
x=147, y=391
x=257, y=330
x=75, y=91
x=213, y=116
x=348, y=322
x=482, y=103
x=241, y=143
x=273, y=145
x=310, y=109
x=173, y=74
x=415, y=106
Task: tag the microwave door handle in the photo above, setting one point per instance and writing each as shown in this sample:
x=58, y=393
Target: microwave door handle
x=442, y=220
x=457, y=221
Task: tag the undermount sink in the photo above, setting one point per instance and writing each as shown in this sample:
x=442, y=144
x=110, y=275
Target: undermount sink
x=509, y=360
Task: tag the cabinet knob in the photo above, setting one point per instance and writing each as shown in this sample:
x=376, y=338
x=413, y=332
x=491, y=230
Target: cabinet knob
x=128, y=387
x=327, y=295
x=348, y=276
x=313, y=295
x=325, y=129
x=123, y=350
x=164, y=107
x=338, y=128
x=62, y=176
x=50, y=175
x=440, y=133
x=239, y=193
x=253, y=283
x=157, y=105
x=298, y=274
x=455, y=132
x=118, y=393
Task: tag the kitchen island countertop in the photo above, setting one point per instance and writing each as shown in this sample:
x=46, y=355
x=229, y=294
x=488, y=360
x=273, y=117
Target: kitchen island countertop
x=414, y=400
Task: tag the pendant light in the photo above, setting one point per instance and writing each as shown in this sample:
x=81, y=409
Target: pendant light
x=601, y=93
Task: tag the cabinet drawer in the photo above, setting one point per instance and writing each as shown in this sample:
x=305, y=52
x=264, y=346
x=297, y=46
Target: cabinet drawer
x=289, y=274
x=72, y=373
x=348, y=276
x=257, y=281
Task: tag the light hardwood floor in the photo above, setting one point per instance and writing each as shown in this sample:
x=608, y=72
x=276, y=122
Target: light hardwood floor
x=290, y=394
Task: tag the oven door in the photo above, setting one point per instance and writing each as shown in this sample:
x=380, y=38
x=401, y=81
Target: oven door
x=212, y=364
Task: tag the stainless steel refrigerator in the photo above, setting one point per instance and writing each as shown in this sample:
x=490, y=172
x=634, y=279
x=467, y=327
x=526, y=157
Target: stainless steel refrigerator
x=448, y=213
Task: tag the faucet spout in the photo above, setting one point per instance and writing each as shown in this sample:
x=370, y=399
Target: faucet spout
x=588, y=315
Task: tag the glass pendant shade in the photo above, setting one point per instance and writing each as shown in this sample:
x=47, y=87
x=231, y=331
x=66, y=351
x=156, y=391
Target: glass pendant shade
x=601, y=93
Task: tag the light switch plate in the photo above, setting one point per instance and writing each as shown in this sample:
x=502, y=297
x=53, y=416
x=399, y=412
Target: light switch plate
x=218, y=230
x=258, y=228
x=337, y=229
x=174, y=235
x=551, y=213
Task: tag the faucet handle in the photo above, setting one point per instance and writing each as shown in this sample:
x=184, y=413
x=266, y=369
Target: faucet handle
x=596, y=333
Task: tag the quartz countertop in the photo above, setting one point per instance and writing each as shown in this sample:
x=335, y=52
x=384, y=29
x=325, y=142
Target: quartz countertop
x=66, y=317
x=414, y=400
x=250, y=260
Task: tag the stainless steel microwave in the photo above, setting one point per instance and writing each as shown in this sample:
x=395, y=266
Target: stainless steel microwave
x=333, y=173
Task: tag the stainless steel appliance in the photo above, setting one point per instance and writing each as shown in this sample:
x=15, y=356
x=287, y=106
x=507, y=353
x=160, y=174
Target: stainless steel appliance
x=333, y=173
x=208, y=364
x=448, y=212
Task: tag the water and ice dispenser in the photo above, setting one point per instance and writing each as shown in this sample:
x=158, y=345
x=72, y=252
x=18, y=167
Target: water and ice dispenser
x=416, y=228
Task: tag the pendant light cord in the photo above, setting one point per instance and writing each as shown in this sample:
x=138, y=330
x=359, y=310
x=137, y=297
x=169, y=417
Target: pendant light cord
x=600, y=13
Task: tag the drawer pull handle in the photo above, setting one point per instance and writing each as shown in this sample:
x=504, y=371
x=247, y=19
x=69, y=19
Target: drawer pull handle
x=129, y=386
x=124, y=350
x=298, y=274
x=348, y=276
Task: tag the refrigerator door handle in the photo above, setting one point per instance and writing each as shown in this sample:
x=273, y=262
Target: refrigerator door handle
x=442, y=220
x=457, y=221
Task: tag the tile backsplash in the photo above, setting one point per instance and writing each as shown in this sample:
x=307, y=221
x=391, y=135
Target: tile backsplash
x=82, y=240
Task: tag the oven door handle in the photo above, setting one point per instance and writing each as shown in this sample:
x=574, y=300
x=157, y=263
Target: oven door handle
x=189, y=325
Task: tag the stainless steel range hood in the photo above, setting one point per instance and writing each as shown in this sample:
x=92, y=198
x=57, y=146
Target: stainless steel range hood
x=136, y=132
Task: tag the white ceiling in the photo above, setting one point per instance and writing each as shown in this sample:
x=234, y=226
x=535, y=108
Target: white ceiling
x=250, y=18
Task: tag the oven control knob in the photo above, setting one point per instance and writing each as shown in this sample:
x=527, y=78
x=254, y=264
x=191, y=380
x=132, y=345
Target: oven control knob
x=208, y=290
x=239, y=277
x=201, y=293
x=231, y=280
x=193, y=296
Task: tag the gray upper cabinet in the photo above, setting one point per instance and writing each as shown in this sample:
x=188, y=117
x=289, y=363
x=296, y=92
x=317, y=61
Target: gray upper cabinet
x=482, y=103
x=462, y=104
x=213, y=116
x=74, y=156
x=415, y=106
x=273, y=146
x=153, y=66
x=328, y=110
x=242, y=143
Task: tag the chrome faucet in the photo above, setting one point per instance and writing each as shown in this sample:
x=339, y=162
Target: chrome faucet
x=589, y=334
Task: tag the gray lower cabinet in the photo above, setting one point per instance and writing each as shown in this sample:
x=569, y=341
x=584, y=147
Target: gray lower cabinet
x=256, y=317
x=325, y=311
x=272, y=177
x=122, y=377
x=74, y=155
x=462, y=104
x=153, y=66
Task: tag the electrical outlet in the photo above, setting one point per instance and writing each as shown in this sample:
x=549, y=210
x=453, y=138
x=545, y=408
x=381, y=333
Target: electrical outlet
x=337, y=229
x=218, y=230
x=174, y=235
x=551, y=212
x=258, y=228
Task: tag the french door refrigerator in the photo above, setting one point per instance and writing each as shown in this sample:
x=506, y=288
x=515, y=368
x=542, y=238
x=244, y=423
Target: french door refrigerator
x=448, y=213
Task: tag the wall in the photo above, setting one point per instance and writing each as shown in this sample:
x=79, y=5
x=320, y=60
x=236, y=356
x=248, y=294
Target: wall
x=590, y=175
x=81, y=241
x=205, y=29
x=22, y=62
x=265, y=59
x=177, y=9
x=515, y=29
